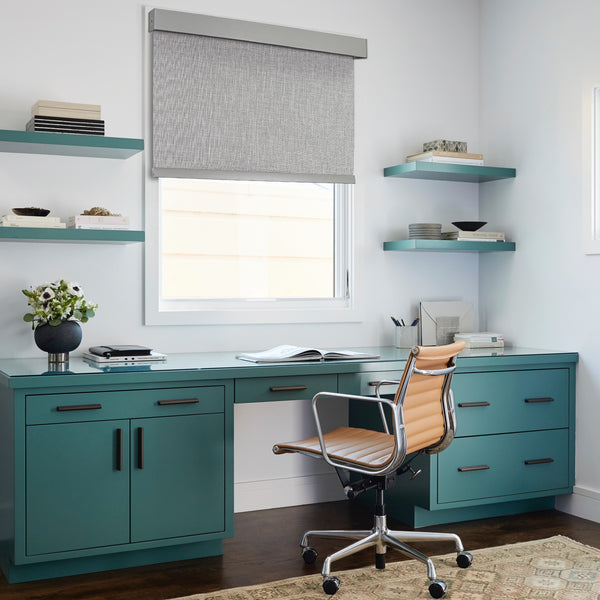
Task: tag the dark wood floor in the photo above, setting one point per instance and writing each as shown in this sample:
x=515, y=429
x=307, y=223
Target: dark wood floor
x=265, y=548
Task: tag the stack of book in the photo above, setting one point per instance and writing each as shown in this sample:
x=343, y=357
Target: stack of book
x=98, y=222
x=65, y=117
x=27, y=221
x=475, y=236
x=441, y=156
x=483, y=339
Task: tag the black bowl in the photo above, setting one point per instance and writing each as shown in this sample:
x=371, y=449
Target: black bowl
x=469, y=225
x=31, y=211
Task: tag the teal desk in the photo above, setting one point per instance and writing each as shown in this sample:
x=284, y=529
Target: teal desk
x=106, y=467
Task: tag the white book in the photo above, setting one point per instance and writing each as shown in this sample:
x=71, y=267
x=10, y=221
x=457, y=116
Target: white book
x=77, y=226
x=35, y=224
x=152, y=357
x=478, y=236
x=286, y=353
x=98, y=220
x=456, y=161
x=29, y=219
x=480, y=336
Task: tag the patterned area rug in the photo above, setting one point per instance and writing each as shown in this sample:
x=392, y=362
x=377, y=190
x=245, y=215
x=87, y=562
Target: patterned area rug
x=556, y=568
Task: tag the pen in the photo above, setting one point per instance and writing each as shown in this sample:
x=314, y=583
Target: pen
x=414, y=322
x=402, y=323
x=395, y=321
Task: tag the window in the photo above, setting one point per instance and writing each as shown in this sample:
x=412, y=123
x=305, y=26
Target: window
x=248, y=240
x=591, y=178
x=248, y=209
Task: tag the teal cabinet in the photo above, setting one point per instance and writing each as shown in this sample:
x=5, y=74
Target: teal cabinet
x=177, y=476
x=77, y=497
x=125, y=475
x=514, y=448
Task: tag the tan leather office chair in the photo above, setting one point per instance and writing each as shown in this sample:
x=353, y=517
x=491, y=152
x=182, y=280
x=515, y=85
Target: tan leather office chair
x=422, y=420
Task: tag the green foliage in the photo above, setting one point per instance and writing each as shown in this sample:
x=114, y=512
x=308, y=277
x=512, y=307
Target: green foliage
x=53, y=303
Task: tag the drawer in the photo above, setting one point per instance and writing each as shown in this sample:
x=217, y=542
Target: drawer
x=511, y=401
x=270, y=389
x=363, y=384
x=503, y=465
x=123, y=404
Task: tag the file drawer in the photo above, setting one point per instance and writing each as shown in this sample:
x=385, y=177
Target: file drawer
x=269, y=389
x=503, y=465
x=505, y=402
x=95, y=406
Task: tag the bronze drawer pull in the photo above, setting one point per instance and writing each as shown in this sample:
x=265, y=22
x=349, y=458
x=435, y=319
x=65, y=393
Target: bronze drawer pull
x=539, y=461
x=79, y=407
x=471, y=404
x=288, y=388
x=536, y=400
x=473, y=468
x=119, y=449
x=140, y=447
x=178, y=401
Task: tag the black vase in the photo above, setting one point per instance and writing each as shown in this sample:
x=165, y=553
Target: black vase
x=58, y=340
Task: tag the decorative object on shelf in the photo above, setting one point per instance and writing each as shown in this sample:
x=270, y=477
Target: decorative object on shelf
x=65, y=117
x=56, y=309
x=31, y=211
x=445, y=146
x=424, y=231
x=469, y=225
x=99, y=211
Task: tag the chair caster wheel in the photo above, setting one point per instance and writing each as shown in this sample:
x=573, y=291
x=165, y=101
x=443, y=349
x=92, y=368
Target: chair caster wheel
x=464, y=559
x=309, y=555
x=331, y=585
x=437, y=588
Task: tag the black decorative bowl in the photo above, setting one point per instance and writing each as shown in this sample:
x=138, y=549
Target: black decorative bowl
x=469, y=225
x=31, y=212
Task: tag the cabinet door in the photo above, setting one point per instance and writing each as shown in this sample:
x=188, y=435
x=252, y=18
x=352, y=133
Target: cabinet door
x=178, y=476
x=77, y=486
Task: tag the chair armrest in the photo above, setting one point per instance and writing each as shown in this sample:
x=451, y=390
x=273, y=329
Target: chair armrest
x=399, y=433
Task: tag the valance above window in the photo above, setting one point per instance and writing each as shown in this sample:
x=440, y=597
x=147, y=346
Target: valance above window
x=225, y=107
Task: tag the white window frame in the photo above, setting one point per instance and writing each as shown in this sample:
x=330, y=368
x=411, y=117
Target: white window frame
x=591, y=171
x=276, y=311
x=249, y=311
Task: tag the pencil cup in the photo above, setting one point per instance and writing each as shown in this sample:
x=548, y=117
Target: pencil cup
x=406, y=337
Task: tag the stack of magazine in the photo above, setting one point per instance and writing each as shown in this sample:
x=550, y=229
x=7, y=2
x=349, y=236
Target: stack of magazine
x=475, y=236
x=122, y=354
x=65, y=117
x=32, y=221
x=482, y=339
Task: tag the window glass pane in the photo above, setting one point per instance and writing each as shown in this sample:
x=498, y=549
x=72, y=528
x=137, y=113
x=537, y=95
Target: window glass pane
x=247, y=240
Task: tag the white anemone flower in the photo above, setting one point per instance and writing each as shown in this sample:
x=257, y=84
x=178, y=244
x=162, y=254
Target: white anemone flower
x=73, y=288
x=47, y=294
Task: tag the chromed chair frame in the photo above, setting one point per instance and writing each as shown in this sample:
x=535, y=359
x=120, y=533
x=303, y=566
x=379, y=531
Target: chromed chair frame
x=380, y=536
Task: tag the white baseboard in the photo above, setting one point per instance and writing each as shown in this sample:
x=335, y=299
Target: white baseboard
x=292, y=491
x=583, y=502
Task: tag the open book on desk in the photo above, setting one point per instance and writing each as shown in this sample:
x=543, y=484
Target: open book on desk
x=296, y=353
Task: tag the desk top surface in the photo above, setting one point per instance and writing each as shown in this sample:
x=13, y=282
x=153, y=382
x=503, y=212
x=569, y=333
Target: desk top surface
x=35, y=372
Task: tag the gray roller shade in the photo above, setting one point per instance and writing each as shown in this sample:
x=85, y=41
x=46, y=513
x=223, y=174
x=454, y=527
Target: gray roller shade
x=234, y=109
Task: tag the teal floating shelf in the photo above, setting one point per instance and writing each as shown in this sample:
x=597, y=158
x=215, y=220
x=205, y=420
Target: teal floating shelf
x=449, y=172
x=77, y=236
x=68, y=144
x=449, y=246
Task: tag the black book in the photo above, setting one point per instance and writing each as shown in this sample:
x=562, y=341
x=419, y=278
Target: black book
x=113, y=351
x=65, y=120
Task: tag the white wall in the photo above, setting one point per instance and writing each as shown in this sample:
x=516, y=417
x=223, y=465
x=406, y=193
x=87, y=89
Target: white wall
x=420, y=82
x=539, y=60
